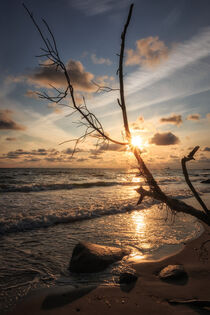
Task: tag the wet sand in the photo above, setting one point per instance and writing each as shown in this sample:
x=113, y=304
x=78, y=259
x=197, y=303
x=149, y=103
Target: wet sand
x=148, y=295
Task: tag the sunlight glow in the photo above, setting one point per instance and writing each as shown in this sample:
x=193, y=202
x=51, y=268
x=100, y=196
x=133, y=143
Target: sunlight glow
x=137, y=141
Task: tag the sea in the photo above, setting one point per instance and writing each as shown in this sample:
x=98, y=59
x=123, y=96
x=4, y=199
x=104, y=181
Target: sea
x=45, y=212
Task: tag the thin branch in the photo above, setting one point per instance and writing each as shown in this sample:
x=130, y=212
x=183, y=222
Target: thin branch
x=120, y=73
x=104, y=88
x=94, y=127
x=185, y=172
x=51, y=52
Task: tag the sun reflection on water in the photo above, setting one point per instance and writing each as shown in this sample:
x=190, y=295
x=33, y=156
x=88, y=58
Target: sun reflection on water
x=139, y=221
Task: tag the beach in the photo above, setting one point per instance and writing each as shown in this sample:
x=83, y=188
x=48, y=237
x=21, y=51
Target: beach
x=149, y=295
x=38, y=257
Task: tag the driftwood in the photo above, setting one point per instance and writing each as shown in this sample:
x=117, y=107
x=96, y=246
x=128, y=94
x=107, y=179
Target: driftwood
x=93, y=126
x=184, y=168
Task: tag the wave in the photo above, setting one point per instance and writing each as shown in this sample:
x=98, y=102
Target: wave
x=45, y=187
x=45, y=221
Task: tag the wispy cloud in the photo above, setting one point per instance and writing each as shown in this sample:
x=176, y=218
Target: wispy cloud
x=182, y=55
x=95, y=7
x=149, y=87
x=195, y=117
x=100, y=60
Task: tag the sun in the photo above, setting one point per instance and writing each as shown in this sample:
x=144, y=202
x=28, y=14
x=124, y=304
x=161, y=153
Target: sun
x=136, y=141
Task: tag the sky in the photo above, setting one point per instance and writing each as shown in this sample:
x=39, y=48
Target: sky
x=166, y=77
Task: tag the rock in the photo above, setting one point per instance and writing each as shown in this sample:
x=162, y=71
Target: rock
x=207, y=181
x=88, y=257
x=128, y=277
x=172, y=272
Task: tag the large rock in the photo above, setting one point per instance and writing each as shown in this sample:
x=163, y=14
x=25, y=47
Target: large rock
x=172, y=272
x=88, y=257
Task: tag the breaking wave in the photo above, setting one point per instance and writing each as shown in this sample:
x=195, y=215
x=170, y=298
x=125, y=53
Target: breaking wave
x=46, y=187
x=45, y=221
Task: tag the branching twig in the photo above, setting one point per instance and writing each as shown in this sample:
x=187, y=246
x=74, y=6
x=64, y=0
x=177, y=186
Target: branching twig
x=104, y=88
x=184, y=168
x=93, y=126
x=51, y=52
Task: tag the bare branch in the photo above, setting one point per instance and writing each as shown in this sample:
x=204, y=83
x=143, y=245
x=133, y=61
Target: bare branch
x=51, y=52
x=103, y=88
x=174, y=204
x=120, y=73
x=185, y=172
x=94, y=128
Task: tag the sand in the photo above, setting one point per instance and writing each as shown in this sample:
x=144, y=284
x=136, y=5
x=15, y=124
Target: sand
x=148, y=295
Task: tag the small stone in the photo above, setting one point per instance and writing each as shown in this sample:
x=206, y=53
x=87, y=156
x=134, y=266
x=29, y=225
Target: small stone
x=172, y=272
x=128, y=277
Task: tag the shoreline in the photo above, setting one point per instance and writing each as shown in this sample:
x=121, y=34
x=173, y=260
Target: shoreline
x=148, y=295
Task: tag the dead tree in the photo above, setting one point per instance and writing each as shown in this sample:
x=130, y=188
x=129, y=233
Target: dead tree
x=93, y=126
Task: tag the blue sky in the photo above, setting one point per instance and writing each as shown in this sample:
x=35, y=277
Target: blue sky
x=167, y=80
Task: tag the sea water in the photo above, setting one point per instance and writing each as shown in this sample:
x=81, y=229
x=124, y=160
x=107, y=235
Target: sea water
x=45, y=212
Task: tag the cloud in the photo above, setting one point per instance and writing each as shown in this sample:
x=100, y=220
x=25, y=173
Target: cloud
x=46, y=75
x=7, y=123
x=194, y=117
x=166, y=138
x=70, y=151
x=173, y=119
x=101, y=60
x=111, y=147
x=175, y=157
x=95, y=7
x=49, y=155
x=138, y=124
x=95, y=157
x=207, y=149
x=149, y=52
x=10, y=139
x=81, y=160
x=31, y=94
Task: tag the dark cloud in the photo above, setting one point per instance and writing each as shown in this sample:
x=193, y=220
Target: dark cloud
x=46, y=75
x=32, y=160
x=207, y=149
x=166, y=138
x=111, y=147
x=18, y=153
x=81, y=160
x=71, y=151
x=95, y=157
x=10, y=139
x=7, y=123
x=173, y=119
x=50, y=155
x=194, y=117
x=149, y=51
